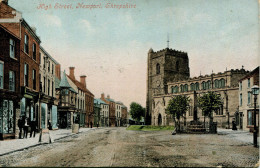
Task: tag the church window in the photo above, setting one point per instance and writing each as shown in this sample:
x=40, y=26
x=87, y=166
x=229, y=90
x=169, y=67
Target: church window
x=192, y=87
x=182, y=88
x=186, y=88
x=216, y=83
x=197, y=87
x=208, y=85
x=203, y=85
x=177, y=65
x=158, y=69
x=222, y=83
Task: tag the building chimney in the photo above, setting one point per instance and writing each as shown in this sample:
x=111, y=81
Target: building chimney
x=83, y=80
x=72, y=72
x=108, y=96
x=57, y=71
x=34, y=29
x=103, y=96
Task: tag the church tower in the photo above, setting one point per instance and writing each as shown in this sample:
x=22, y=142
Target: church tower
x=163, y=66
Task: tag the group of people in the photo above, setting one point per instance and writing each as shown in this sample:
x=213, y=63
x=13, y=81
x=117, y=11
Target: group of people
x=26, y=125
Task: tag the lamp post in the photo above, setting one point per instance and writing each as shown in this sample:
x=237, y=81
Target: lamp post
x=255, y=92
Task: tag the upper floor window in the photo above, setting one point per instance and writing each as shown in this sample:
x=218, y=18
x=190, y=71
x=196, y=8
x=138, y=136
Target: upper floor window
x=158, y=69
x=26, y=72
x=40, y=57
x=44, y=84
x=49, y=87
x=34, y=51
x=240, y=86
x=52, y=69
x=182, y=88
x=1, y=75
x=248, y=83
x=34, y=78
x=248, y=97
x=240, y=99
x=12, y=48
x=26, y=44
x=11, y=81
x=49, y=66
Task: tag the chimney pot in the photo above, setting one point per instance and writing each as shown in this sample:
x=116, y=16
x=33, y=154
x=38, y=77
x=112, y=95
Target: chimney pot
x=83, y=80
x=102, y=96
x=72, y=72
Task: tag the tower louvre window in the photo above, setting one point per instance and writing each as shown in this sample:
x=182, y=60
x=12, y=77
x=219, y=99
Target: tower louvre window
x=158, y=69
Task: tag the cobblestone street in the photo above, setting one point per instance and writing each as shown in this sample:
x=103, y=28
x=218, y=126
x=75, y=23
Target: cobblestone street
x=119, y=147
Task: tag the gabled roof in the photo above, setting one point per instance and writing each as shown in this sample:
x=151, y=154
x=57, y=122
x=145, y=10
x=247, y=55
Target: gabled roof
x=256, y=70
x=80, y=85
x=65, y=84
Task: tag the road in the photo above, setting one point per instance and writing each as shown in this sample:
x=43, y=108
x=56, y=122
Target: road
x=119, y=147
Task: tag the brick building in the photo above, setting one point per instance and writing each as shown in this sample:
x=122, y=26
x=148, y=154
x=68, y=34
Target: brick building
x=9, y=83
x=29, y=58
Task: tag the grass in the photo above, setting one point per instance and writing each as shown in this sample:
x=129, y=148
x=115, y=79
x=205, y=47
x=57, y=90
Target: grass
x=149, y=128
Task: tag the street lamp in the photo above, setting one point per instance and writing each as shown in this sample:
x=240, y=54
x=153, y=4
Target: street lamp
x=255, y=92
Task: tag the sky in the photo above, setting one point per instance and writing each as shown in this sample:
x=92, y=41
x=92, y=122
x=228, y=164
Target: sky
x=110, y=45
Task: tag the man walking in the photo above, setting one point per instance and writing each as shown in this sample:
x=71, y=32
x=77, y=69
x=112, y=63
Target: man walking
x=25, y=128
x=20, y=125
x=33, y=127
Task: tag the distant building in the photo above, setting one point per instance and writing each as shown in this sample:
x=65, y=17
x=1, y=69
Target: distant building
x=169, y=76
x=124, y=115
x=9, y=83
x=112, y=109
x=104, y=112
x=245, y=116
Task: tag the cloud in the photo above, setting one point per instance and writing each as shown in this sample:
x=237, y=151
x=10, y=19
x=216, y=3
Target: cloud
x=85, y=24
x=51, y=20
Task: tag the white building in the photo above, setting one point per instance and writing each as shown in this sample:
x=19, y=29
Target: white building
x=47, y=103
x=245, y=116
x=119, y=113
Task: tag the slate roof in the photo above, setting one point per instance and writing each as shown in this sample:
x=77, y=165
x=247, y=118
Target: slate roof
x=99, y=101
x=80, y=85
x=64, y=83
x=111, y=100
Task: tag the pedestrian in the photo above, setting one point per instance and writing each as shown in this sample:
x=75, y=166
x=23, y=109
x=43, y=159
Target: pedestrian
x=49, y=125
x=97, y=124
x=33, y=127
x=25, y=128
x=20, y=125
x=91, y=124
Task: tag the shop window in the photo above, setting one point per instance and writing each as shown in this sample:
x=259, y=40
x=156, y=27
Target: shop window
x=1, y=75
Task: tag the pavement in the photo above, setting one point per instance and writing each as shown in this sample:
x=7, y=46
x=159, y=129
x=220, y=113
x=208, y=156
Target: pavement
x=13, y=145
x=240, y=135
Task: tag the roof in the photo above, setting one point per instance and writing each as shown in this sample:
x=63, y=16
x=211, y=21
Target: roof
x=99, y=101
x=57, y=82
x=111, y=100
x=11, y=33
x=256, y=70
x=64, y=83
x=80, y=85
x=48, y=55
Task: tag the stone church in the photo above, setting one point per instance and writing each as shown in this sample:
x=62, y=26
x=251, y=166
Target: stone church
x=168, y=75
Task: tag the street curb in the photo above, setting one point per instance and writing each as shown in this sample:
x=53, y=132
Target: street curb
x=17, y=150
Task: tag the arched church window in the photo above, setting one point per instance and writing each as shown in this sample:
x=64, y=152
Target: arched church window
x=192, y=86
x=182, y=90
x=185, y=88
x=158, y=68
x=197, y=86
x=203, y=85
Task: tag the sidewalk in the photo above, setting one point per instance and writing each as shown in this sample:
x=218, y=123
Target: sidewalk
x=13, y=145
x=240, y=135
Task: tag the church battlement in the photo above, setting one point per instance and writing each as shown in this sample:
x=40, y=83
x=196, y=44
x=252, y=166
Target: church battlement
x=168, y=50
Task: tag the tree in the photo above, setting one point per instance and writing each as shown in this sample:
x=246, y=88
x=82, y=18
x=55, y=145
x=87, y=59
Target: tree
x=209, y=102
x=178, y=106
x=136, y=111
